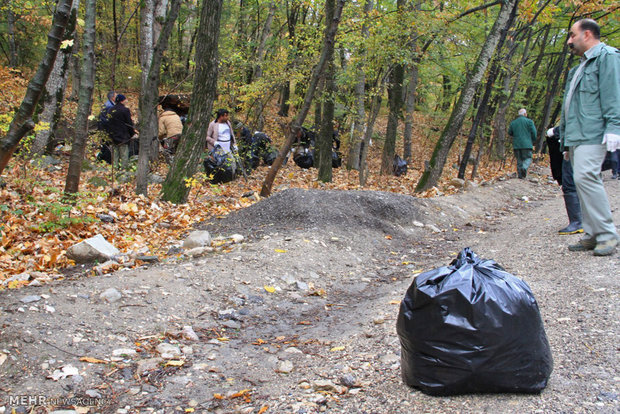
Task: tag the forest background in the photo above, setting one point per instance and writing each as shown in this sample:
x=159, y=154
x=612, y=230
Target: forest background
x=433, y=81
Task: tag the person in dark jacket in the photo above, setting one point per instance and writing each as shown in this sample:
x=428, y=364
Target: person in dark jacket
x=564, y=177
x=121, y=129
x=523, y=133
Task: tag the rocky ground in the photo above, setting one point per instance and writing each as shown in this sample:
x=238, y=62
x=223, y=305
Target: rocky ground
x=300, y=316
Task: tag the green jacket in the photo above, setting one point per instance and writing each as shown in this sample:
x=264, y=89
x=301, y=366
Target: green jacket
x=523, y=133
x=595, y=106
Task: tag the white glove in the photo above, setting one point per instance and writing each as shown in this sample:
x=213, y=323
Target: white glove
x=612, y=141
x=550, y=132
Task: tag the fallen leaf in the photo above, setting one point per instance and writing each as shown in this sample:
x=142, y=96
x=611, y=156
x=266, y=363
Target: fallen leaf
x=241, y=393
x=223, y=339
x=175, y=363
x=395, y=302
x=388, y=237
x=259, y=342
x=93, y=360
x=337, y=348
x=269, y=289
x=280, y=251
x=218, y=396
x=263, y=409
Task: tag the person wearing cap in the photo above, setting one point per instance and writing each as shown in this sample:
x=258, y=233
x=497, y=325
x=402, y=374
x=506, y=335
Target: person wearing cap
x=589, y=127
x=121, y=129
x=523, y=133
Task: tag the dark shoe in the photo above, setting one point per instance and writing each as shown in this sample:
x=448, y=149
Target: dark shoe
x=606, y=248
x=583, y=245
x=572, y=228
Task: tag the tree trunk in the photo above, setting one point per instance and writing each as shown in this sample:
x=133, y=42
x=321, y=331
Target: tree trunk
x=395, y=104
x=331, y=28
x=412, y=85
x=54, y=93
x=482, y=107
x=258, y=68
x=409, y=109
x=85, y=101
x=192, y=144
x=147, y=21
x=159, y=14
x=10, y=18
x=149, y=99
x=326, y=131
x=22, y=122
x=116, y=40
x=370, y=125
x=431, y=175
x=292, y=16
x=75, y=71
x=357, y=138
x=284, y=97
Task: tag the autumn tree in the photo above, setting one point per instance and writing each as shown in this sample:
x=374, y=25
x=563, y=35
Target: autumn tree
x=87, y=85
x=431, y=175
x=192, y=144
x=22, y=122
x=331, y=28
x=149, y=100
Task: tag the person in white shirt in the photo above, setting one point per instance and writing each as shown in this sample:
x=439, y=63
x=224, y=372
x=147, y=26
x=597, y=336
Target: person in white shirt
x=220, y=132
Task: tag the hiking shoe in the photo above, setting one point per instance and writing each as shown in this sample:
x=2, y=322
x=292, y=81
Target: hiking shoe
x=572, y=228
x=606, y=248
x=583, y=245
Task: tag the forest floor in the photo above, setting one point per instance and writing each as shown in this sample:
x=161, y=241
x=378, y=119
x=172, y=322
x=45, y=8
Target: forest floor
x=300, y=316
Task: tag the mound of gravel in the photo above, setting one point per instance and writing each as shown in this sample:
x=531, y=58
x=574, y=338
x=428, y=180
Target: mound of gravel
x=297, y=209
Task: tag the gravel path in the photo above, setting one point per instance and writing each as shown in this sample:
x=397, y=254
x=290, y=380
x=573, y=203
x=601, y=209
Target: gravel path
x=300, y=317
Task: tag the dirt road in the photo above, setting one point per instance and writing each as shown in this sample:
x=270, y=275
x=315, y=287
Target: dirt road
x=300, y=316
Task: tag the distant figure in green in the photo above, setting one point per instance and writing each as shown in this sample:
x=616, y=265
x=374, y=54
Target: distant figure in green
x=523, y=133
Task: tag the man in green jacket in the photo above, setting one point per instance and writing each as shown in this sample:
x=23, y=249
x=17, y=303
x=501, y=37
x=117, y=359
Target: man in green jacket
x=523, y=133
x=589, y=127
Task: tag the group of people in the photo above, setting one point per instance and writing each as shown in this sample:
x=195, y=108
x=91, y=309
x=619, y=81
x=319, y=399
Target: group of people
x=589, y=129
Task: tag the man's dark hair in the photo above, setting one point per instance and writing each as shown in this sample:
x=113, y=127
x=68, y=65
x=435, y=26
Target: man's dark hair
x=592, y=26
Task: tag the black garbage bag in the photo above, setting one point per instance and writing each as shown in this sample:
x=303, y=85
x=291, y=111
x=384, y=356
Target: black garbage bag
x=269, y=156
x=105, y=150
x=220, y=165
x=336, y=159
x=399, y=166
x=472, y=327
x=105, y=153
x=304, y=158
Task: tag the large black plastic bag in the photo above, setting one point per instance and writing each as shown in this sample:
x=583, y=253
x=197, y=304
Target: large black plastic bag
x=472, y=327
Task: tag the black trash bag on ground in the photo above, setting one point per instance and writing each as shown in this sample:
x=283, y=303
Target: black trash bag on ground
x=105, y=150
x=472, y=327
x=105, y=153
x=304, y=158
x=221, y=165
x=336, y=159
x=270, y=156
x=399, y=166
